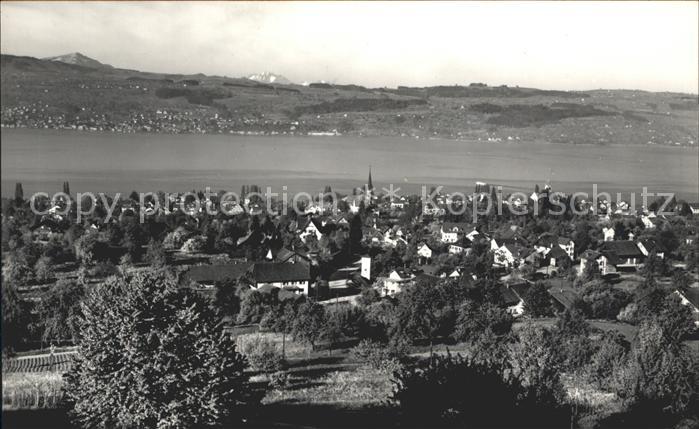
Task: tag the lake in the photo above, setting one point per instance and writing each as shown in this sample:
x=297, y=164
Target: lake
x=105, y=162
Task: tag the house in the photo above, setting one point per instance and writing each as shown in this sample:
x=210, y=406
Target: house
x=432, y=210
x=512, y=293
x=424, y=253
x=396, y=281
x=342, y=278
x=547, y=242
x=289, y=256
x=292, y=277
x=608, y=233
x=450, y=231
x=648, y=245
x=690, y=298
x=563, y=293
x=509, y=255
x=694, y=207
x=206, y=276
x=457, y=249
x=313, y=227
x=647, y=223
x=558, y=257
x=590, y=256
x=622, y=254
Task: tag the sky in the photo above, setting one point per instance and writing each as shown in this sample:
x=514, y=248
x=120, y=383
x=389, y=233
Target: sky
x=552, y=45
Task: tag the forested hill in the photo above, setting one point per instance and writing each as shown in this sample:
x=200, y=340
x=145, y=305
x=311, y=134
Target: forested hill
x=54, y=94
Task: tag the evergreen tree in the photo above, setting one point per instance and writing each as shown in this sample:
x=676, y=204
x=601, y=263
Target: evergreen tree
x=19, y=193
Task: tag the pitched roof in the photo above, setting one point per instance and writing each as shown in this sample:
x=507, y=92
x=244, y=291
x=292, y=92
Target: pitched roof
x=652, y=245
x=621, y=248
x=266, y=272
x=557, y=252
x=455, y=226
x=214, y=273
x=692, y=295
x=509, y=295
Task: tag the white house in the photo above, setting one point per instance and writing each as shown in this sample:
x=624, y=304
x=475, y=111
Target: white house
x=396, y=281
x=608, y=233
x=647, y=223
x=424, y=253
x=451, y=231
x=293, y=277
x=455, y=249
x=313, y=228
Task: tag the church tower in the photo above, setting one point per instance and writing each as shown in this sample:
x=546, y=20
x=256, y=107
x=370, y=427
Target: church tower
x=369, y=185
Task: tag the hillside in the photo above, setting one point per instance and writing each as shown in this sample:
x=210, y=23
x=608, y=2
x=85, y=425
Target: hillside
x=79, y=92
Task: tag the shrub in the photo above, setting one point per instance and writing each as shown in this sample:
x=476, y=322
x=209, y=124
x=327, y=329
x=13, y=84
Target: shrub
x=452, y=391
x=279, y=380
x=44, y=269
x=380, y=356
x=194, y=245
x=262, y=353
x=153, y=355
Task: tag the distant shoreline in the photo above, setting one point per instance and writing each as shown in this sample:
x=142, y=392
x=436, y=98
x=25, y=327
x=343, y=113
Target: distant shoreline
x=338, y=135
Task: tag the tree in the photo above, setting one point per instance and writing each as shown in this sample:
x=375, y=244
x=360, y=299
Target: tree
x=537, y=301
x=475, y=321
x=648, y=298
x=603, y=301
x=253, y=307
x=451, y=391
x=156, y=255
x=536, y=364
x=59, y=311
x=86, y=247
x=676, y=320
x=19, y=193
x=660, y=377
x=423, y=313
x=654, y=265
x=153, y=355
x=16, y=319
x=227, y=298
x=591, y=271
x=309, y=324
x=609, y=357
x=15, y=269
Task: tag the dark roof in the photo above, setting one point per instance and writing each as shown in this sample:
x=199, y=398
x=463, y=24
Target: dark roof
x=455, y=226
x=652, y=245
x=692, y=295
x=621, y=248
x=214, y=273
x=426, y=279
x=280, y=272
x=562, y=291
x=557, y=253
x=509, y=295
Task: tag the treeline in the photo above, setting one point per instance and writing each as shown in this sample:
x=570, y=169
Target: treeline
x=480, y=90
x=354, y=105
x=517, y=115
x=203, y=96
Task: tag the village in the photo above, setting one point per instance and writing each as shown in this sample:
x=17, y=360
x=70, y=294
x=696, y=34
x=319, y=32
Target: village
x=331, y=249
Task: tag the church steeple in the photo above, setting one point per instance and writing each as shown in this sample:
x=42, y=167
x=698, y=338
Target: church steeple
x=369, y=185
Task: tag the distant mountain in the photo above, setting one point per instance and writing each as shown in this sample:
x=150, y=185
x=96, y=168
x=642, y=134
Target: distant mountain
x=78, y=59
x=268, y=77
x=86, y=93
